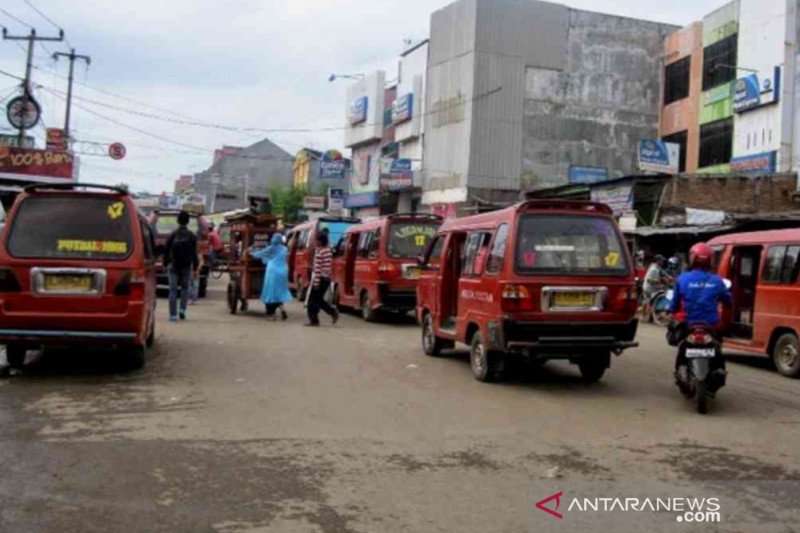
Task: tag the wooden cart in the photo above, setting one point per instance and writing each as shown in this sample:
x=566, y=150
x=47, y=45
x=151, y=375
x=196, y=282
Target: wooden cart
x=247, y=231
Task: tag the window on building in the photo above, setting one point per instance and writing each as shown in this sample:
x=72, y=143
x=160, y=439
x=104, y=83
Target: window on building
x=680, y=139
x=676, y=80
x=719, y=62
x=716, y=143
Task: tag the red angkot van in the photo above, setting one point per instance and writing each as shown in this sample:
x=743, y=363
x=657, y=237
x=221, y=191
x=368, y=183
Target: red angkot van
x=78, y=268
x=545, y=279
x=300, y=241
x=375, y=265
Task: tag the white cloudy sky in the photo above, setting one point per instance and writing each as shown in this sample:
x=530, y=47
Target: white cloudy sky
x=241, y=63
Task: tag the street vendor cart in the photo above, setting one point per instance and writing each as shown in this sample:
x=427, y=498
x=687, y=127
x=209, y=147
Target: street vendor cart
x=247, y=230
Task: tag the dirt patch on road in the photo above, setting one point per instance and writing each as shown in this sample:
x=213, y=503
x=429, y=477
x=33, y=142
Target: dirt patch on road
x=460, y=459
x=571, y=460
x=714, y=463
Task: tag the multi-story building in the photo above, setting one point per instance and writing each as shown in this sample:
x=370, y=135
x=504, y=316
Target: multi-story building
x=730, y=89
x=525, y=95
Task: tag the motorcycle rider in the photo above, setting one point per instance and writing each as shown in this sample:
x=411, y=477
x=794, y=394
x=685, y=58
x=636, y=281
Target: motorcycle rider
x=697, y=295
x=656, y=279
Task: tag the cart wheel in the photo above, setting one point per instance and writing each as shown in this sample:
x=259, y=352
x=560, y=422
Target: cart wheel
x=233, y=298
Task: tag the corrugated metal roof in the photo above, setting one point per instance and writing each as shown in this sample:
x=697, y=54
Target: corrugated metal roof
x=647, y=231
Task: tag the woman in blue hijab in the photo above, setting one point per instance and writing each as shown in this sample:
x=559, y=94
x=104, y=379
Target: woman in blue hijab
x=276, y=277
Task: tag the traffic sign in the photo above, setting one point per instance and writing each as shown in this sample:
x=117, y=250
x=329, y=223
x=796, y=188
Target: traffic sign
x=116, y=151
x=23, y=112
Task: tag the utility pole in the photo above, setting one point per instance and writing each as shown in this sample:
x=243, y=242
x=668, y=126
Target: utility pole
x=72, y=56
x=26, y=83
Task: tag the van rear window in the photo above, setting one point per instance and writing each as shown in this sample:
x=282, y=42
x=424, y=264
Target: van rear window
x=410, y=239
x=569, y=245
x=71, y=227
x=166, y=224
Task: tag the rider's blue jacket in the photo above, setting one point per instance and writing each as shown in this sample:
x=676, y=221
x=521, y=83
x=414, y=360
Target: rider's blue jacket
x=697, y=294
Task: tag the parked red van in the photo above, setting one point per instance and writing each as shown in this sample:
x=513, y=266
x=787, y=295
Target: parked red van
x=301, y=239
x=765, y=317
x=165, y=221
x=375, y=267
x=547, y=279
x=78, y=267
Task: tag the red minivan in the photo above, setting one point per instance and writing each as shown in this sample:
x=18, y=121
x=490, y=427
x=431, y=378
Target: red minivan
x=545, y=279
x=375, y=265
x=300, y=240
x=78, y=267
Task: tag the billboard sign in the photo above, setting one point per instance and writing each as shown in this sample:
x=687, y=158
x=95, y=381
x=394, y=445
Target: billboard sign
x=396, y=174
x=363, y=199
x=578, y=174
x=763, y=163
x=618, y=197
x=13, y=140
x=316, y=203
x=756, y=90
x=29, y=164
x=333, y=166
x=403, y=108
x=335, y=200
x=659, y=156
x=56, y=139
x=357, y=110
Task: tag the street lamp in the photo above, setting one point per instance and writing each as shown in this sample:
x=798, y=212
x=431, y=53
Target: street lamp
x=333, y=77
x=734, y=67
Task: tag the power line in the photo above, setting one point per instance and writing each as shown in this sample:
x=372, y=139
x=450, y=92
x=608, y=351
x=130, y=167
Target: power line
x=12, y=17
x=45, y=17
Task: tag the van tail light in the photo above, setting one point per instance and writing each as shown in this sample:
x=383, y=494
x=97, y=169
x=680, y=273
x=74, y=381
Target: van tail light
x=699, y=337
x=387, y=269
x=132, y=285
x=516, y=298
x=9, y=281
x=628, y=298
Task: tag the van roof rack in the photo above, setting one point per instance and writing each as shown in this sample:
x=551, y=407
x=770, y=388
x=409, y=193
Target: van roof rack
x=72, y=186
x=430, y=216
x=566, y=204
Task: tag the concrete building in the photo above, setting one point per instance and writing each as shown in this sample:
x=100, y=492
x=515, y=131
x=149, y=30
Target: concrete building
x=744, y=117
x=235, y=175
x=522, y=94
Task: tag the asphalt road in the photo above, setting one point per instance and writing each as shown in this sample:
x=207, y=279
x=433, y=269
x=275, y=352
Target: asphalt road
x=239, y=424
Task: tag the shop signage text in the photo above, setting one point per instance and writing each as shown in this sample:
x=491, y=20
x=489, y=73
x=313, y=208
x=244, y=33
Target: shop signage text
x=578, y=174
x=754, y=91
x=357, y=110
x=403, y=108
x=659, y=156
x=396, y=174
x=764, y=163
x=362, y=199
x=314, y=202
x=29, y=164
x=335, y=200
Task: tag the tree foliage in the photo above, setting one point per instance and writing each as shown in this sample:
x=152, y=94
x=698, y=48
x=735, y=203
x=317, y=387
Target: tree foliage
x=287, y=202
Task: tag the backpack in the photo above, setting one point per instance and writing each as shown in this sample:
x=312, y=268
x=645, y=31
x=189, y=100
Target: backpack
x=183, y=251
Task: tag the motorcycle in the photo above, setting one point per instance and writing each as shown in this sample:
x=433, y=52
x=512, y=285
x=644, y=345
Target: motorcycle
x=700, y=370
x=659, y=306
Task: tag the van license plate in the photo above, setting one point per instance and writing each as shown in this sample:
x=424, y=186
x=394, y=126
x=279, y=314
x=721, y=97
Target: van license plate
x=700, y=353
x=67, y=283
x=412, y=272
x=573, y=299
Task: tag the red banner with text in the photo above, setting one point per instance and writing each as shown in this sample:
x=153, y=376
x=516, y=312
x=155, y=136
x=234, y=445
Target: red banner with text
x=35, y=165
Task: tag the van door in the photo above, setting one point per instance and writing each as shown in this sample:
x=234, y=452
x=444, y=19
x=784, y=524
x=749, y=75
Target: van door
x=744, y=269
x=473, y=297
x=450, y=275
x=351, y=245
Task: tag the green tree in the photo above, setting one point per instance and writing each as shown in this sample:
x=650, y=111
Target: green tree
x=287, y=202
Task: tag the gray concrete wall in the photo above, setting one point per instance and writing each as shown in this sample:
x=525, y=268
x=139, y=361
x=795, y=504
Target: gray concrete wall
x=594, y=110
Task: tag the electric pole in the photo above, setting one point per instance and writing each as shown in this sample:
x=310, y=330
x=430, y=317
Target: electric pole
x=26, y=83
x=72, y=56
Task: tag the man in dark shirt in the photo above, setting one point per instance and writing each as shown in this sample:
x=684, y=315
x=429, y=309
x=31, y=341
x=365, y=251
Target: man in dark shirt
x=181, y=261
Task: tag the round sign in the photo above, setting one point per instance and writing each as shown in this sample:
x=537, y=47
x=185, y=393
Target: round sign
x=116, y=151
x=23, y=112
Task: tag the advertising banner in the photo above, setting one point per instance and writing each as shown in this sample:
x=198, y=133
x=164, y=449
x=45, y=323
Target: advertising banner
x=403, y=109
x=12, y=139
x=619, y=197
x=333, y=165
x=314, y=202
x=579, y=174
x=763, y=163
x=357, y=110
x=756, y=90
x=659, y=156
x=363, y=199
x=56, y=139
x=335, y=200
x=29, y=164
x=396, y=174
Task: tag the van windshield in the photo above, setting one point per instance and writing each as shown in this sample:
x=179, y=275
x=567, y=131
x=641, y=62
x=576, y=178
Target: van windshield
x=569, y=245
x=166, y=224
x=410, y=239
x=71, y=227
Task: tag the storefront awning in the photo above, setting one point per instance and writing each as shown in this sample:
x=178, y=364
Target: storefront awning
x=648, y=231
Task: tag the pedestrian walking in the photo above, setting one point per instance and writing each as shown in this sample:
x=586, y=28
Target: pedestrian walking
x=181, y=262
x=276, y=277
x=323, y=258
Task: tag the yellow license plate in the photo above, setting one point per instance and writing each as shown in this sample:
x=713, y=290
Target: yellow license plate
x=63, y=282
x=573, y=299
x=412, y=273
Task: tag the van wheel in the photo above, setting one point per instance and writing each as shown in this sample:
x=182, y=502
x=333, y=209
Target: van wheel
x=431, y=344
x=594, y=366
x=134, y=357
x=487, y=365
x=367, y=312
x=15, y=355
x=786, y=355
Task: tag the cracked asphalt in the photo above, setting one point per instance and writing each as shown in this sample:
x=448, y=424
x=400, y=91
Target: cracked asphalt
x=238, y=424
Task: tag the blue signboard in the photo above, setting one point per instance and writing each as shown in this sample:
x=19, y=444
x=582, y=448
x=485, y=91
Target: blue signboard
x=357, y=111
x=403, y=108
x=755, y=90
x=587, y=174
x=396, y=174
x=763, y=163
x=659, y=156
x=361, y=199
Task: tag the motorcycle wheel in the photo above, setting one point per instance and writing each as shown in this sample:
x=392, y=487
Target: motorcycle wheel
x=660, y=310
x=702, y=397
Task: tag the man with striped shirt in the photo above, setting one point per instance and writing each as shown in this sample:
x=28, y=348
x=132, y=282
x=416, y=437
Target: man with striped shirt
x=323, y=258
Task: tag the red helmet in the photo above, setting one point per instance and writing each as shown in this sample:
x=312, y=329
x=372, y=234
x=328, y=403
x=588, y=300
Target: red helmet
x=700, y=256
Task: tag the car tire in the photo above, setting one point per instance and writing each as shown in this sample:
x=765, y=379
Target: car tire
x=487, y=365
x=15, y=355
x=594, y=366
x=786, y=355
x=431, y=344
x=135, y=357
x=367, y=312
